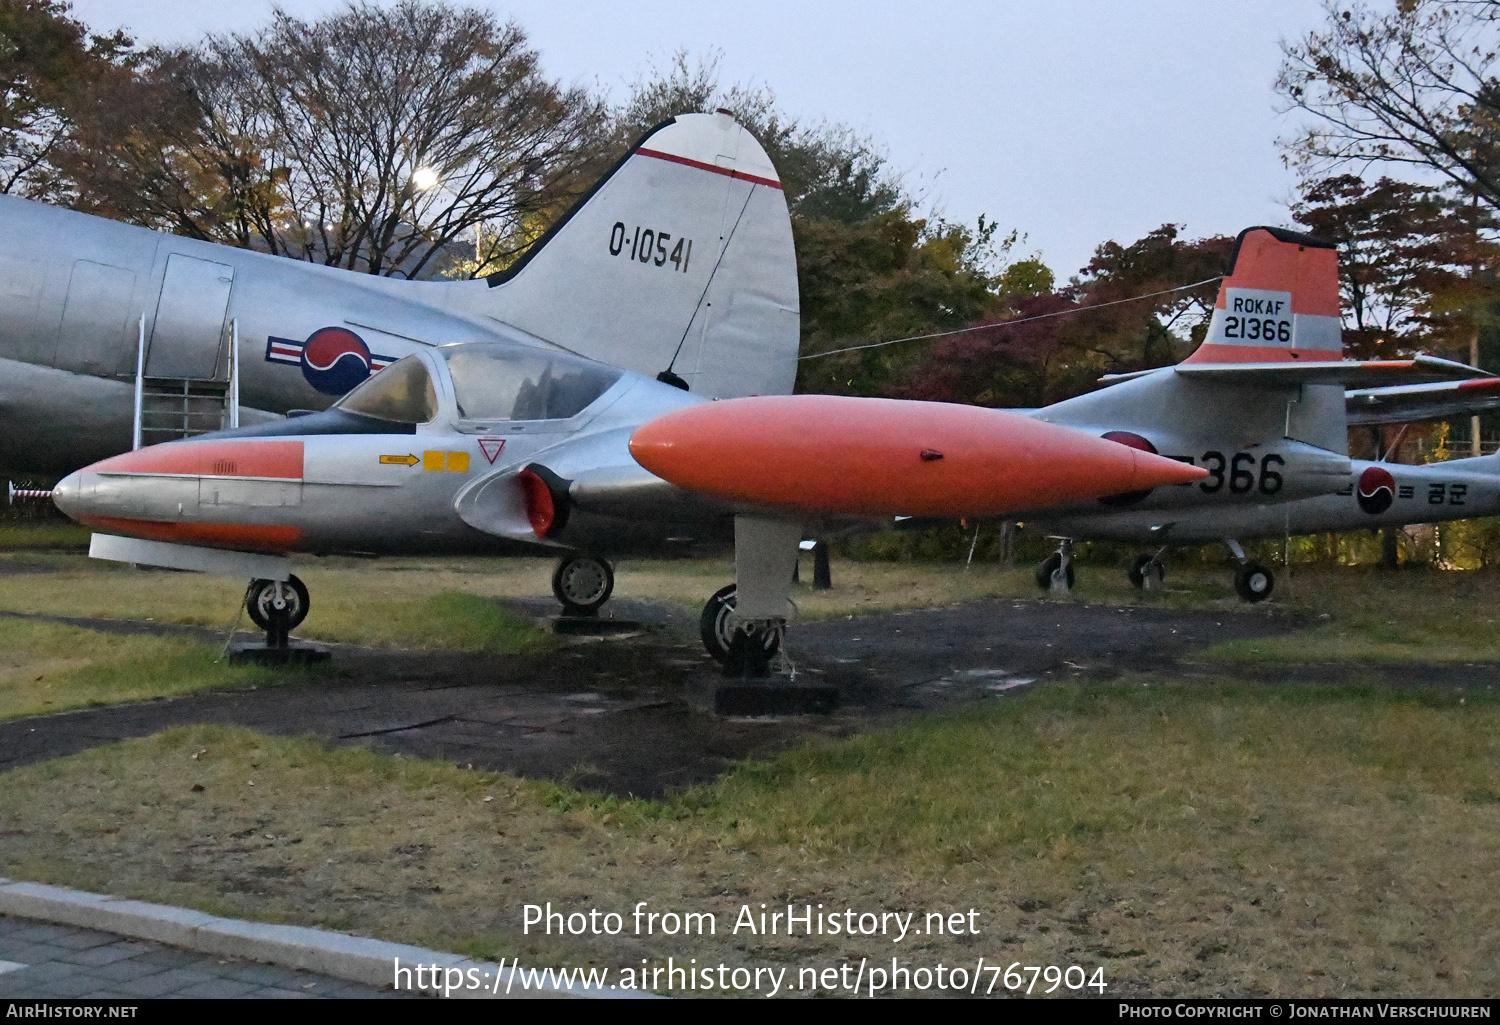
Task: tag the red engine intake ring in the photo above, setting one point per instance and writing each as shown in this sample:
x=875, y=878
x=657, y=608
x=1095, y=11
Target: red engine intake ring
x=546, y=500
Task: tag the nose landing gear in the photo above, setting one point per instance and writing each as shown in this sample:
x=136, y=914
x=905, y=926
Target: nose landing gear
x=582, y=583
x=1148, y=572
x=277, y=607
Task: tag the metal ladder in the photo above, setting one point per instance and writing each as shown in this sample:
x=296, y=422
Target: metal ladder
x=170, y=409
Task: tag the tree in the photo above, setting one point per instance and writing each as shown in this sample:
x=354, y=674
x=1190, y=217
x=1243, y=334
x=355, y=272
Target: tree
x=375, y=139
x=1410, y=262
x=869, y=267
x=1049, y=345
x=828, y=172
x=1414, y=85
x=1125, y=335
x=46, y=60
x=888, y=277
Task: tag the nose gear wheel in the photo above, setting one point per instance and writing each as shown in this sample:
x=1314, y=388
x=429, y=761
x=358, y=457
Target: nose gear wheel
x=582, y=583
x=261, y=598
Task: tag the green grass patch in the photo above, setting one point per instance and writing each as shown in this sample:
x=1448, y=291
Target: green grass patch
x=1231, y=839
x=44, y=535
x=1360, y=614
x=46, y=667
x=452, y=620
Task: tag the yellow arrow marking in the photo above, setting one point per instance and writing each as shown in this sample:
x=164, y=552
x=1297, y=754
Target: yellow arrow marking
x=407, y=460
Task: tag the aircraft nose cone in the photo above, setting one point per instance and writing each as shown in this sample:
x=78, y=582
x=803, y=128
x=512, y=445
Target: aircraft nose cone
x=67, y=495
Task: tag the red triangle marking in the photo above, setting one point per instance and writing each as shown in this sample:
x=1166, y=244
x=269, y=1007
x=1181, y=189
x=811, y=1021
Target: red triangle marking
x=491, y=448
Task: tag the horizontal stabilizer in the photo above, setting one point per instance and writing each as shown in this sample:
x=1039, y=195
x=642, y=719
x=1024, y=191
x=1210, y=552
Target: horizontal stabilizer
x=1350, y=373
x=1433, y=401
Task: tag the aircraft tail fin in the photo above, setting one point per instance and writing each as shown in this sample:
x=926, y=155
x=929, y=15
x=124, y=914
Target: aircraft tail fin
x=1278, y=303
x=679, y=264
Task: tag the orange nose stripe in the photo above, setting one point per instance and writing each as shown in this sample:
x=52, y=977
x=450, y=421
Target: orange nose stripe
x=856, y=456
x=244, y=537
x=279, y=459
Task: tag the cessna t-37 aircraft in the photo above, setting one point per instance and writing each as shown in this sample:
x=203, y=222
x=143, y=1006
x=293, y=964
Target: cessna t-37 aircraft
x=558, y=391
x=1261, y=404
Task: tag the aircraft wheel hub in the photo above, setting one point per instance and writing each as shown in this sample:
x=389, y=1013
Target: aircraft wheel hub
x=582, y=583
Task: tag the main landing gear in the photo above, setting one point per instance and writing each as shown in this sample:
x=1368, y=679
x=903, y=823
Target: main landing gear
x=744, y=649
x=1055, y=572
x=278, y=607
x=582, y=583
x=1252, y=581
x=1148, y=572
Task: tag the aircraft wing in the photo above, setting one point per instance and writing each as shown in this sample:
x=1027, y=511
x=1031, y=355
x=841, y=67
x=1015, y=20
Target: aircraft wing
x=1350, y=373
x=1433, y=401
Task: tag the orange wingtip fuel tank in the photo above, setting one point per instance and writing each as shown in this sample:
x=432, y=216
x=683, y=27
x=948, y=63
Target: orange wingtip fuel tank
x=880, y=457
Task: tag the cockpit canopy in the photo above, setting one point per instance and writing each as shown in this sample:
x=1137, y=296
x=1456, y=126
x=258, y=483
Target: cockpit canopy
x=491, y=381
x=402, y=392
x=500, y=382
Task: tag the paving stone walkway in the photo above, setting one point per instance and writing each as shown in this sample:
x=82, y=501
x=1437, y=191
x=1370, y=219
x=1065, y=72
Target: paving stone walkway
x=38, y=960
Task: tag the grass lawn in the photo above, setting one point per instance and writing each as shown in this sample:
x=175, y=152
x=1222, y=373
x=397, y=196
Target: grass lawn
x=1287, y=840
x=48, y=668
x=1354, y=614
x=1363, y=614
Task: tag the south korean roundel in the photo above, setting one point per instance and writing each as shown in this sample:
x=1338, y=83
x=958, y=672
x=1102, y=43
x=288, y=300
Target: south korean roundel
x=1138, y=443
x=1376, y=490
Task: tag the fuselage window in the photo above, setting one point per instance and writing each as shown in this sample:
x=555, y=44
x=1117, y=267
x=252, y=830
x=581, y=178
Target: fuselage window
x=402, y=392
x=495, y=382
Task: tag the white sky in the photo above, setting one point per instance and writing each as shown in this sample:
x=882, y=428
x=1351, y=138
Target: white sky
x=1074, y=121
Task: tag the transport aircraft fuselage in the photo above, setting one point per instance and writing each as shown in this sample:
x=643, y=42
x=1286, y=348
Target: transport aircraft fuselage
x=678, y=262
x=73, y=290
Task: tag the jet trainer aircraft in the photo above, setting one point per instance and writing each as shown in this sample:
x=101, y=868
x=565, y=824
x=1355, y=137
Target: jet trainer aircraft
x=1261, y=404
x=536, y=423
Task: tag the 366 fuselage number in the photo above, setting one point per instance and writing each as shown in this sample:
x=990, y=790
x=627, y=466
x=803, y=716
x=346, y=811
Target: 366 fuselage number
x=1241, y=472
x=650, y=246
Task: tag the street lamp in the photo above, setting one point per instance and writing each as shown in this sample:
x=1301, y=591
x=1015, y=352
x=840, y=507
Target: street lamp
x=424, y=178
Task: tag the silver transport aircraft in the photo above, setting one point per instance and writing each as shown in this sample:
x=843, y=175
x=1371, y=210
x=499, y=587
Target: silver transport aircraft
x=679, y=263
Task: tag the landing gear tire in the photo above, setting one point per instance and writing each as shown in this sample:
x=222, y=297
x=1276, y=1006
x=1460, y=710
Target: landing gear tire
x=718, y=638
x=1146, y=566
x=1253, y=582
x=582, y=583
x=259, y=602
x=1047, y=567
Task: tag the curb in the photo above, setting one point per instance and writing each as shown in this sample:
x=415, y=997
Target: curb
x=336, y=954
